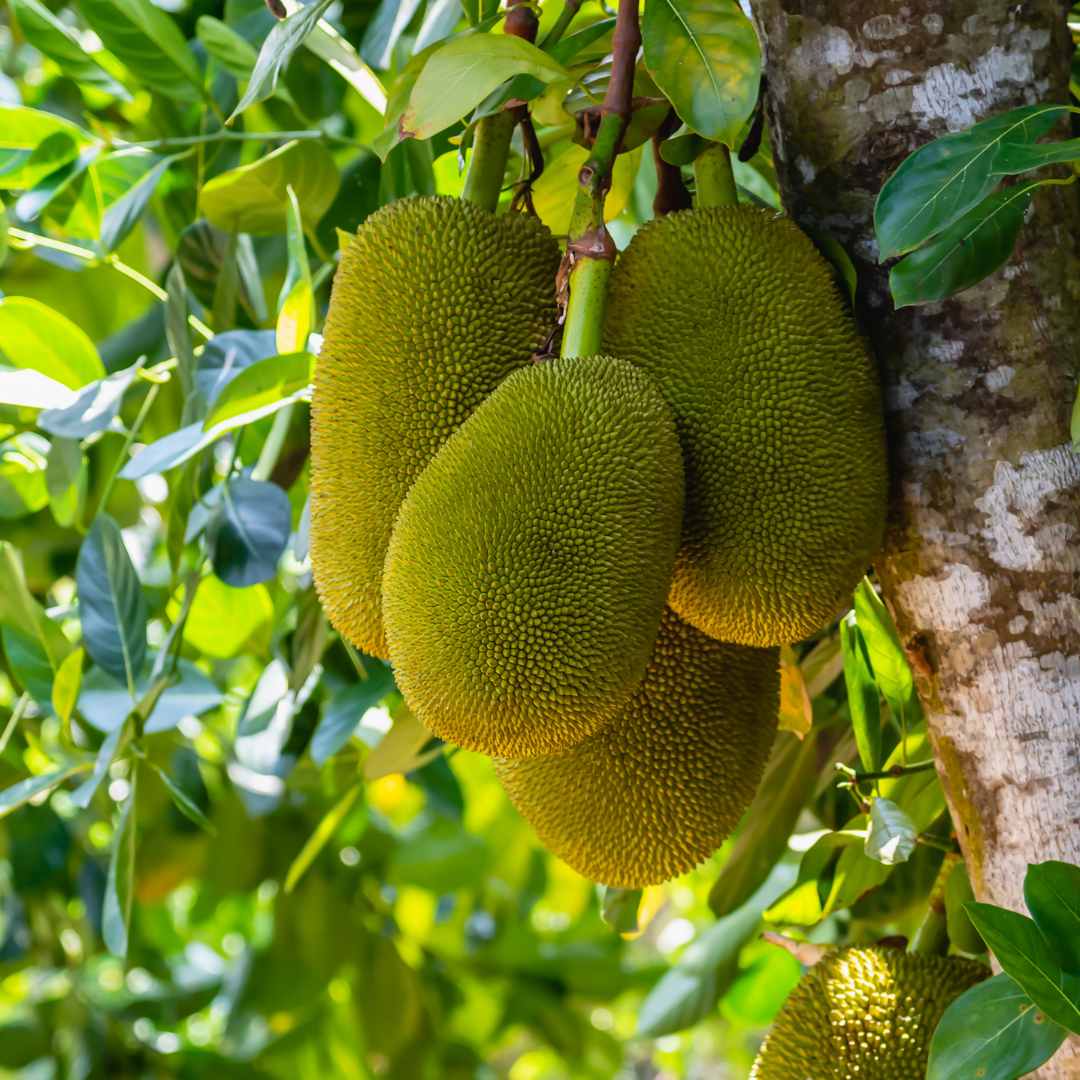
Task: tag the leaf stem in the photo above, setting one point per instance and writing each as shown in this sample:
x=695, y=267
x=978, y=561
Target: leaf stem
x=561, y=24
x=16, y=715
x=885, y=774
x=590, y=251
x=715, y=178
x=275, y=443
x=26, y=239
x=932, y=936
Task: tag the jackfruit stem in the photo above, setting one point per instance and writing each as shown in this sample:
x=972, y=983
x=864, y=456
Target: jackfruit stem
x=590, y=251
x=715, y=178
x=491, y=148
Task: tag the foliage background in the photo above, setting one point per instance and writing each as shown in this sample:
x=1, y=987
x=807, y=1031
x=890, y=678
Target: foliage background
x=226, y=848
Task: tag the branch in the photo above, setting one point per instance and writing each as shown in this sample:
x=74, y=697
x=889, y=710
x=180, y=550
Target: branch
x=590, y=251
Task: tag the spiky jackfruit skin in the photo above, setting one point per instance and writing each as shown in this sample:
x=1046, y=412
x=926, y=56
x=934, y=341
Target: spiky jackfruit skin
x=864, y=1014
x=435, y=302
x=529, y=564
x=658, y=789
x=736, y=316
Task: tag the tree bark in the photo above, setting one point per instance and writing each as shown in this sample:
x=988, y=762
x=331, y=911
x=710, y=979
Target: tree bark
x=982, y=563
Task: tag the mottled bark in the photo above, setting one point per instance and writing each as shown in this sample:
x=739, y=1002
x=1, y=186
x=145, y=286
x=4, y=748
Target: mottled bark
x=982, y=566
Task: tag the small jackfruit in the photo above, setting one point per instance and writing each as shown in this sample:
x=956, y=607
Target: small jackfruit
x=864, y=1014
x=659, y=788
x=435, y=302
x=529, y=564
x=736, y=316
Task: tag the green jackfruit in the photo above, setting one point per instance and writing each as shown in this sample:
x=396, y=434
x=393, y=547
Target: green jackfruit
x=864, y=1014
x=736, y=316
x=434, y=303
x=529, y=564
x=659, y=789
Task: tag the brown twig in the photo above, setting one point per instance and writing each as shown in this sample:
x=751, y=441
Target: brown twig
x=671, y=190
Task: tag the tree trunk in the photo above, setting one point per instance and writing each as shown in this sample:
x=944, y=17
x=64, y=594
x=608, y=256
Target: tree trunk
x=982, y=564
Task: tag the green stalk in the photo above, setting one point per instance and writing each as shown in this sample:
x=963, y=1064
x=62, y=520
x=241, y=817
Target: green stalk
x=491, y=148
x=590, y=250
x=715, y=178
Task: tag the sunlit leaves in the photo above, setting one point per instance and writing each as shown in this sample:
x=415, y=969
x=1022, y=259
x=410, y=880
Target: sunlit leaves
x=19, y=609
x=864, y=699
x=276, y=51
x=34, y=143
x=1052, y=895
x=23, y=489
x=704, y=56
x=149, y=43
x=461, y=73
x=254, y=198
x=264, y=383
x=891, y=836
x=33, y=335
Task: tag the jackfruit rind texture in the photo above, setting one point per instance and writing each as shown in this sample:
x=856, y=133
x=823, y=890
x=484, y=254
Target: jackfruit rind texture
x=737, y=317
x=530, y=562
x=435, y=302
x=864, y=1014
x=659, y=788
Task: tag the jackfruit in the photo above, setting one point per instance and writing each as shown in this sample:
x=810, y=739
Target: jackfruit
x=434, y=303
x=658, y=790
x=530, y=561
x=864, y=1014
x=736, y=316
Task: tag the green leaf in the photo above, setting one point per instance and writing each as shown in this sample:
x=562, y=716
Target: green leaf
x=400, y=749
x=249, y=531
x=461, y=73
x=234, y=53
x=820, y=879
x=34, y=336
x=104, y=703
x=266, y=382
x=254, y=198
x=704, y=56
x=786, y=787
x=123, y=215
x=296, y=301
x=321, y=836
x=183, y=802
x=690, y=990
x=57, y=41
x=149, y=44
x=1052, y=895
x=19, y=609
x=66, y=685
x=120, y=880
x=94, y=408
x=992, y=1031
x=864, y=699
x=34, y=144
x=891, y=838
x=277, y=50
x=21, y=793
x=111, y=604
x=1025, y=955
x=346, y=709
x=23, y=461
x=887, y=658
x=619, y=908
x=223, y=620
x=336, y=52
x=966, y=252
x=939, y=183
x=66, y=477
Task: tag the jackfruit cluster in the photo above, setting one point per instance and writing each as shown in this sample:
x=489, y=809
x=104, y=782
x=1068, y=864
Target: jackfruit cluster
x=583, y=567
x=735, y=315
x=864, y=1014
